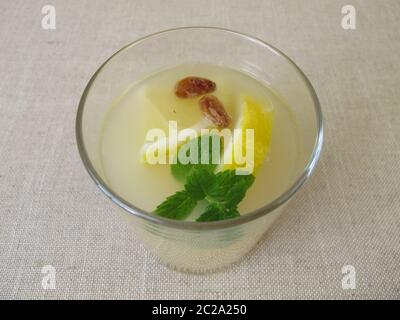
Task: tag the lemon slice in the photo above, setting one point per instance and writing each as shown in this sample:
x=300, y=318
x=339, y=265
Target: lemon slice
x=259, y=117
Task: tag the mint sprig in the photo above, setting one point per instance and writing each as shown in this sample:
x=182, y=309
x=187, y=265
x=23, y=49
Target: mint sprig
x=223, y=192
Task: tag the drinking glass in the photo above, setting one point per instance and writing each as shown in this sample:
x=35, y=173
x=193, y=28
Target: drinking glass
x=187, y=245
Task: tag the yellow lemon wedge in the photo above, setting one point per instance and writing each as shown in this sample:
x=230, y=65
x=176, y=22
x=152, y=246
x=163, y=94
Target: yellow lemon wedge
x=259, y=117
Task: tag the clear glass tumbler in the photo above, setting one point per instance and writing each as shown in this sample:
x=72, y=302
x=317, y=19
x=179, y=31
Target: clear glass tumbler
x=184, y=245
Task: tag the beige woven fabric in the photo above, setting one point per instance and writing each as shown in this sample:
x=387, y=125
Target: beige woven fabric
x=52, y=213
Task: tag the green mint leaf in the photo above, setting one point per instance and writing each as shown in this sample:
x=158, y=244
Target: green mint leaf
x=225, y=194
x=177, y=206
x=213, y=212
x=203, y=155
x=198, y=181
x=237, y=192
x=229, y=188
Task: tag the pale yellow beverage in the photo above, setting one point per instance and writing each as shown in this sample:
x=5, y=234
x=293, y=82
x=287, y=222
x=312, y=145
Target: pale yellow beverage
x=199, y=218
x=151, y=103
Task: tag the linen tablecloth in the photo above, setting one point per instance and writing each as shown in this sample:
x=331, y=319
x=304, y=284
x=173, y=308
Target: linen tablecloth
x=52, y=214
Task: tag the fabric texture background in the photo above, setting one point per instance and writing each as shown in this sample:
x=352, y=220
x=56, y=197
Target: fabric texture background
x=346, y=214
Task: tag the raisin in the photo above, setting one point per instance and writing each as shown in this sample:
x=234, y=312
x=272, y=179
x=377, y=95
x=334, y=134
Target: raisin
x=213, y=109
x=190, y=87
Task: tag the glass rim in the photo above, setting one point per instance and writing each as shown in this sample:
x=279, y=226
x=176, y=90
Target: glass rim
x=193, y=225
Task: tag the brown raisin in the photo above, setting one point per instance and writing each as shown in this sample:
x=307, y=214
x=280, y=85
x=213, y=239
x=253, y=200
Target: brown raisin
x=213, y=109
x=190, y=87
